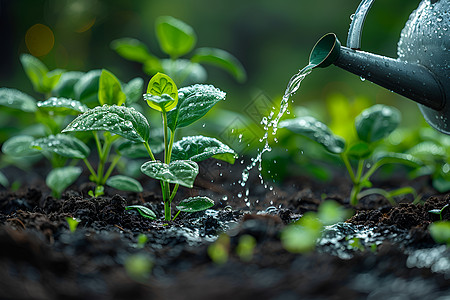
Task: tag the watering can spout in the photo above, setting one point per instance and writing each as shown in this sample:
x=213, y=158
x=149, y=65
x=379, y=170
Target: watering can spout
x=421, y=73
x=411, y=80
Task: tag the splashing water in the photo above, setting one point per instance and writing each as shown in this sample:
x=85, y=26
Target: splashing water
x=271, y=124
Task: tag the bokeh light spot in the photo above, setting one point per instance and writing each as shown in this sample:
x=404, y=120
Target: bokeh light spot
x=39, y=40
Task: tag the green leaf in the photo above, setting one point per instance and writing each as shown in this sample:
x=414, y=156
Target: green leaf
x=124, y=183
x=64, y=145
x=143, y=211
x=441, y=184
x=19, y=146
x=440, y=232
x=3, y=180
x=133, y=90
x=382, y=158
x=162, y=86
x=222, y=59
x=183, y=71
x=61, y=178
x=16, y=99
x=182, y=172
x=428, y=152
x=121, y=120
x=193, y=103
x=86, y=89
x=66, y=84
x=36, y=72
x=377, y=122
x=110, y=90
x=132, y=49
x=195, y=204
x=175, y=37
x=198, y=148
x=359, y=150
x=317, y=131
x=52, y=79
x=62, y=106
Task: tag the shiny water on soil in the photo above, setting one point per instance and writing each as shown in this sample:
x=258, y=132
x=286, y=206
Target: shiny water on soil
x=270, y=123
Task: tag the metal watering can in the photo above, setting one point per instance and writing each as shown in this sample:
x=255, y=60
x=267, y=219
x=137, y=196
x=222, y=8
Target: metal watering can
x=421, y=72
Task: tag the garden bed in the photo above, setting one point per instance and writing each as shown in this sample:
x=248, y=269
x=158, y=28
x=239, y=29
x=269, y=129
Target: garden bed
x=40, y=258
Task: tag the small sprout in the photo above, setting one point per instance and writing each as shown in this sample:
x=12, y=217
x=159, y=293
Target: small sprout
x=439, y=211
x=73, y=223
x=141, y=240
x=143, y=211
x=138, y=267
x=99, y=191
x=246, y=247
x=219, y=250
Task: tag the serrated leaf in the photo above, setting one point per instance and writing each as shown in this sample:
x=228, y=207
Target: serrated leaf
x=64, y=145
x=195, y=204
x=165, y=90
x=132, y=49
x=63, y=106
x=317, y=131
x=377, y=122
x=133, y=89
x=86, y=89
x=124, y=183
x=110, y=90
x=143, y=211
x=198, y=148
x=359, y=150
x=16, y=99
x=193, y=103
x=66, y=84
x=182, y=172
x=36, y=71
x=121, y=120
x=221, y=59
x=61, y=178
x=19, y=146
x=175, y=37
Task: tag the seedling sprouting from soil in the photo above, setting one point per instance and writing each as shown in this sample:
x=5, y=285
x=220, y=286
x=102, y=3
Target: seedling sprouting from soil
x=372, y=125
x=439, y=211
x=177, y=39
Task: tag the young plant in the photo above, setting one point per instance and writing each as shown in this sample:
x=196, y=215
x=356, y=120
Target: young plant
x=179, y=108
x=372, y=125
x=439, y=211
x=176, y=39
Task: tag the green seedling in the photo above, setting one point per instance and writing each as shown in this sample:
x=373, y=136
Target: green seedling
x=219, y=250
x=177, y=39
x=73, y=223
x=440, y=232
x=302, y=236
x=178, y=108
x=439, y=211
x=372, y=126
x=141, y=240
x=139, y=267
x=246, y=247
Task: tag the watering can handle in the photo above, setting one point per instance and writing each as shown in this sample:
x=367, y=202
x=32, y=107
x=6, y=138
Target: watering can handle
x=358, y=18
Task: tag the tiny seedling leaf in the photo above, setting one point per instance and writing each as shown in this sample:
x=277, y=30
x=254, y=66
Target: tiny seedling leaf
x=64, y=145
x=110, y=90
x=195, y=204
x=175, y=37
x=359, y=150
x=182, y=172
x=73, y=223
x=317, y=131
x=19, y=146
x=221, y=59
x=198, y=148
x=121, y=120
x=62, y=106
x=143, y=211
x=36, y=72
x=162, y=93
x=193, y=103
x=66, y=84
x=124, y=183
x=16, y=99
x=60, y=178
x=377, y=122
x=86, y=89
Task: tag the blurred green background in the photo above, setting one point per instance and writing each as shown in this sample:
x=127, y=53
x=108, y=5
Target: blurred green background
x=272, y=39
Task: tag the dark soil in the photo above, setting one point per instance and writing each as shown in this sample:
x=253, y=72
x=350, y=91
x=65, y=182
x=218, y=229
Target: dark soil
x=41, y=259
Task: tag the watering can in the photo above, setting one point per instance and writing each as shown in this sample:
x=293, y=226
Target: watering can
x=421, y=72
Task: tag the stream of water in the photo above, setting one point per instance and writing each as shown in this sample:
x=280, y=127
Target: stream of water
x=270, y=123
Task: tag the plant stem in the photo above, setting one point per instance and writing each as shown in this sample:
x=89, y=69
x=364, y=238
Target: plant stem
x=348, y=166
x=112, y=166
x=91, y=169
x=147, y=146
x=166, y=138
x=174, y=192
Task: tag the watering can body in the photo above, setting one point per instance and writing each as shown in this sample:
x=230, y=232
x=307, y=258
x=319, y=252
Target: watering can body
x=422, y=70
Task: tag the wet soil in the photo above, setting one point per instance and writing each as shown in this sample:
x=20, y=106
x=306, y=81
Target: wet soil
x=41, y=259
